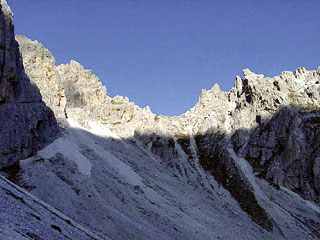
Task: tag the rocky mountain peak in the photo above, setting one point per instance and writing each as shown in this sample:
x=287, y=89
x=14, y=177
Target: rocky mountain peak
x=253, y=99
x=7, y=11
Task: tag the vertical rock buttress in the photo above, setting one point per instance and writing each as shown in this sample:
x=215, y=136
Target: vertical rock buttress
x=26, y=123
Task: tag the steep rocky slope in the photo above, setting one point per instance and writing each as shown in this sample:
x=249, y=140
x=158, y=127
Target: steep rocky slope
x=252, y=103
x=24, y=216
x=120, y=189
x=128, y=173
x=26, y=124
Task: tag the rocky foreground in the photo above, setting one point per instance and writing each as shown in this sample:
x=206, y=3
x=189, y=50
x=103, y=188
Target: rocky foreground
x=242, y=164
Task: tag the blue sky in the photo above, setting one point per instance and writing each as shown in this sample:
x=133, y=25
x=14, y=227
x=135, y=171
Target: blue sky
x=161, y=53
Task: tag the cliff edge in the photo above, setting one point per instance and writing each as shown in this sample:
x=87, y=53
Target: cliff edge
x=26, y=123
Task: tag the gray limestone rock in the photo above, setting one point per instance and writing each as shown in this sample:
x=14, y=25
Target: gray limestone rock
x=237, y=114
x=41, y=69
x=285, y=151
x=26, y=123
x=191, y=188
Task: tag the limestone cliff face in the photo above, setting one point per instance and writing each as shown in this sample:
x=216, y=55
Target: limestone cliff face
x=86, y=99
x=285, y=150
x=255, y=99
x=281, y=129
x=273, y=124
x=247, y=117
x=26, y=124
x=72, y=91
x=41, y=68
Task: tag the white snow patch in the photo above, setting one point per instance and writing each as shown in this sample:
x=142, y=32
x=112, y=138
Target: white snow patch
x=74, y=124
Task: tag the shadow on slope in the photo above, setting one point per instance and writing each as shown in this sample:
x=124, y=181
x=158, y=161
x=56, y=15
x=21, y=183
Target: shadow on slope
x=213, y=150
x=284, y=150
x=39, y=220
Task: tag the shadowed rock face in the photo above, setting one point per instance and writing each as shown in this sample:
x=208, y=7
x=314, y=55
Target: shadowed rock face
x=26, y=123
x=286, y=150
x=215, y=158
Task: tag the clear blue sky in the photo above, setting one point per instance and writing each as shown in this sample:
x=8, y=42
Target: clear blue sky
x=161, y=53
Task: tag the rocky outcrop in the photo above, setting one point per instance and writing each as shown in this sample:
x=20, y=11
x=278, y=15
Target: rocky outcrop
x=279, y=138
x=285, y=151
x=41, y=68
x=214, y=156
x=26, y=123
x=72, y=91
x=86, y=99
x=254, y=99
x=242, y=115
